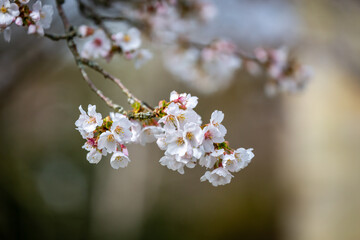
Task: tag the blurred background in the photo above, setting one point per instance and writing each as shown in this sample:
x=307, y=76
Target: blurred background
x=303, y=183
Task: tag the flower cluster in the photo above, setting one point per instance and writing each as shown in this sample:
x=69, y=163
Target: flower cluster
x=187, y=142
x=284, y=74
x=178, y=131
x=167, y=19
x=99, y=45
x=208, y=69
x=35, y=19
x=105, y=136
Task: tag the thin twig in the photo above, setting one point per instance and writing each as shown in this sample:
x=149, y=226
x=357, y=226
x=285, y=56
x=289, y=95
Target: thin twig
x=107, y=100
x=56, y=37
x=80, y=62
x=247, y=57
x=118, y=82
x=72, y=46
x=62, y=15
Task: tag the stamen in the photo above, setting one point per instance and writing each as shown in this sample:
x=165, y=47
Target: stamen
x=111, y=138
x=97, y=42
x=180, y=141
x=127, y=38
x=92, y=120
x=208, y=135
x=119, y=130
x=189, y=135
x=181, y=117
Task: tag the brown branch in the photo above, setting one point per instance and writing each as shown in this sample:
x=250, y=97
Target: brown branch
x=56, y=37
x=69, y=35
x=62, y=15
x=117, y=81
x=107, y=100
x=246, y=57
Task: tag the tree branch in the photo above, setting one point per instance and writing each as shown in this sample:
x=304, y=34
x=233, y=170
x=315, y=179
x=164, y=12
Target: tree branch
x=69, y=35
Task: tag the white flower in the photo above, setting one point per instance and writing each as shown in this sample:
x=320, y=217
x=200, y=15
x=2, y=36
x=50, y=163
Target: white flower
x=209, y=159
x=198, y=153
x=85, y=31
x=8, y=13
x=149, y=133
x=187, y=116
x=129, y=41
x=188, y=159
x=89, y=122
x=85, y=134
x=176, y=143
x=119, y=160
x=171, y=163
x=42, y=16
x=87, y=146
x=107, y=142
x=243, y=156
x=98, y=46
x=192, y=134
x=231, y=163
x=218, y=176
x=141, y=57
x=121, y=130
x=94, y=156
x=170, y=120
x=216, y=118
x=184, y=99
x=182, y=63
x=166, y=24
x=7, y=33
x=211, y=135
x=177, y=118
x=117, y=116
x=161, y=142
x=135, y=130
x=19, y=21
x=207, y=11
x=208, y=70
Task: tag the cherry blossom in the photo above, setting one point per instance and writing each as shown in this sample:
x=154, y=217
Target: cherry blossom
x=7, y=33
x=119, y=160
x=42, y=17
x=185, y=100
x=85, y=31
x=208, y=69
x=217, y=177
x=8, y=13
x=97, y=46
x=121, y=130
x=285, y=74
x=128, y=41
x=89, y=121
x=148, y=134
x=178, y=131
x=172, y=163
x=94, y=156
x=107, y=142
